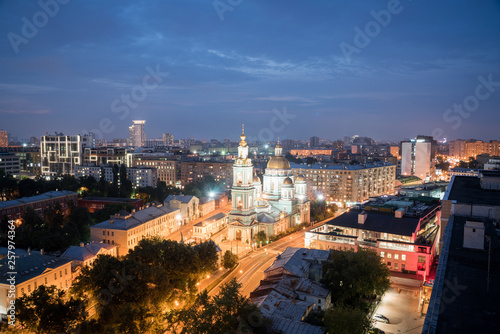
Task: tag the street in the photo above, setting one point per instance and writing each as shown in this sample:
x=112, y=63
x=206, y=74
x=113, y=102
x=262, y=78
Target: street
x=401, y=309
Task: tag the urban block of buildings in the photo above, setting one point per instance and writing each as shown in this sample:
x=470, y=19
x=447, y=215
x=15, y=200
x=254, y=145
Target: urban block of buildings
x=139, y=176
x=277, y=203
x=463, y=149
x=404, y=232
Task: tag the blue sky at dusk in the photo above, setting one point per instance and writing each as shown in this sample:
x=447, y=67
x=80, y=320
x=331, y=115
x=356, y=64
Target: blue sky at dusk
x=246, y=62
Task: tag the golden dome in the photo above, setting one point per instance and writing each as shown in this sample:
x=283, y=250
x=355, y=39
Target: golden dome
x=288, y=181
x=278, y=162
x=256, y=178
x=243, y=142
x=300, y=178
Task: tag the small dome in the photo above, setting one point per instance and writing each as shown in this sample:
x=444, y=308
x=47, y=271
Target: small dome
x=300, y=178
x=288, y=181
x=278, y=162
x=256, y=179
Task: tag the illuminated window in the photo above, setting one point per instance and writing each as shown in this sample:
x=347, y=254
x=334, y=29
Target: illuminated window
x=382, y=254
x=403, y=257
x=389, y=255
x=396, y=256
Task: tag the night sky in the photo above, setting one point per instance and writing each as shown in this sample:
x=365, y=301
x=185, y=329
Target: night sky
x=293, y=69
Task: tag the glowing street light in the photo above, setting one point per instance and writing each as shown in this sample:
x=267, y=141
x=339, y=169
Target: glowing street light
x=211, y=194
x=320, y=197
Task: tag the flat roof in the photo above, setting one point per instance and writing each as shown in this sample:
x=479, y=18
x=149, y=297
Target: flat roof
x=340, y=166
x=465, y=304
x=467, y=189
x=378, y=222
x=110, y=199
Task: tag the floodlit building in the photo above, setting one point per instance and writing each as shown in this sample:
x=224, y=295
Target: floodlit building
x=4, y=139
x=139, y=176
x=208, y=227
x=187, y=204
x=417, y=157
x=166, y=169
x=60, y=154
x=273, y=205
x=124, y=230
x=137, y=134
x=404, y=232
x=86, y=254
x=464, y=149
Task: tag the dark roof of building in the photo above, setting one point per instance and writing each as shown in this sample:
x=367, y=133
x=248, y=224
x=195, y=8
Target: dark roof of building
x=110, y=199
x=180, y=198
x=29, y=266
x=377, y=222
x=460, y=302
x=466, y=189
x=42, y=197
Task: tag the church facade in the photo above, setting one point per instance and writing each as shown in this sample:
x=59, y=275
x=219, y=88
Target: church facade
x=272, y=205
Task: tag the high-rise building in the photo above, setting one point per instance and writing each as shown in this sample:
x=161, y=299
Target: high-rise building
x=60, y=154
x=314, y=142
x=4, y=139
x=168, y=139
x=137, y=134
x=417, y=157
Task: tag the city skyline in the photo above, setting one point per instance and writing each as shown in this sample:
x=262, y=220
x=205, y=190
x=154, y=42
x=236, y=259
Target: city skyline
x=387, y=70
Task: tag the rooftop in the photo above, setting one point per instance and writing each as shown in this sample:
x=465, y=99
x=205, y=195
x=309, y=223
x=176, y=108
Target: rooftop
x=125, y=221
x=460, y=302
x=30, y=266
x=180, y=198
x=42, y=197
x=297, y=261
x=340, y=167
x=83, y=253
x=467, y=189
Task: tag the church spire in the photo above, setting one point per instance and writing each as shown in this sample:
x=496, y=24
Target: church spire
x=243, y=142
x=278, y=149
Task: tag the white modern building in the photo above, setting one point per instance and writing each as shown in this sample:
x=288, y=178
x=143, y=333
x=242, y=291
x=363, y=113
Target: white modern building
x=60, y=154
x=416, y=158
x=137, y=134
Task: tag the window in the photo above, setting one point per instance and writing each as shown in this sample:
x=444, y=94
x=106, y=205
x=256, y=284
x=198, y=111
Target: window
x=389, y=255
x=403, y=257
x=396, y=256
x=108, y=232
x=22, y=291
x=112, y=234
x=35, y=285
x=55, y=276
x=388, y=264
x=29, y=288
x=396, y=266
x=382, y=254
x=60, y=273
x=65, y=271
x=45, y=280
x=421, y=259
x=103, y=232
x=402, y=266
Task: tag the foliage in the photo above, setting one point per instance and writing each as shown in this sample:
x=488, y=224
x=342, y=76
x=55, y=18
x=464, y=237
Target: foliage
x=229, y=260
x=110, y=209
x=228, y=312
x=341, y=319
x=47, y=311
x=133, y=292
x=8, y=187
x=293, y=159
x=352, y=276
x=316, y=318
x=204, y=187
x=261, y=237
x=472, y=163
x=321, y=211
x=53, y=230
x=288, y=231
x=149, y=194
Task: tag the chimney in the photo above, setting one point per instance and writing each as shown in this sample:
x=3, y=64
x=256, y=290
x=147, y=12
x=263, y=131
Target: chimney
x=399, y=213
x=41, y=251
x=362, y=217
x=82, y=244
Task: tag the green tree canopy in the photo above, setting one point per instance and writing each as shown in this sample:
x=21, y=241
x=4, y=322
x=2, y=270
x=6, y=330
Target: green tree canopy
x=341, y=319
x=229, y=260
x=352, y=276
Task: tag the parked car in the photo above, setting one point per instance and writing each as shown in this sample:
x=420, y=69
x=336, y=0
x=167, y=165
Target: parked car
x=376, y=331
x=381, y=318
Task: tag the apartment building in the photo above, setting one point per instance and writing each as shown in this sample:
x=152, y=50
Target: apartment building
x=60, y=154
x=166, y=168
x=139, y=176
x=124, y=230
x=10, y=164
x=104, y=156
x=463, y=149
x=348, y=184
x=194, y=171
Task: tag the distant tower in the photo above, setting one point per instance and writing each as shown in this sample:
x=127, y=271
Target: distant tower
x=4, y=139
x=137, y=134
x=314, y=142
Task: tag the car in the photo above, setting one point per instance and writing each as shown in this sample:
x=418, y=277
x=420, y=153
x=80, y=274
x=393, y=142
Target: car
x=381, y=318
x=376, y=331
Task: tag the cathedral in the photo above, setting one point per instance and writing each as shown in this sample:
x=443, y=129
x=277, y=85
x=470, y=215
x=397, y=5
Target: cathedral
x=272, y=205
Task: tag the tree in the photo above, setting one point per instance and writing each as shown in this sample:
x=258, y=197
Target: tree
x=261, y=237
x=47, y=311
x=341, y=319
x=229, y=260
x=352, y=276
x=227, y=312
x=207, y=255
